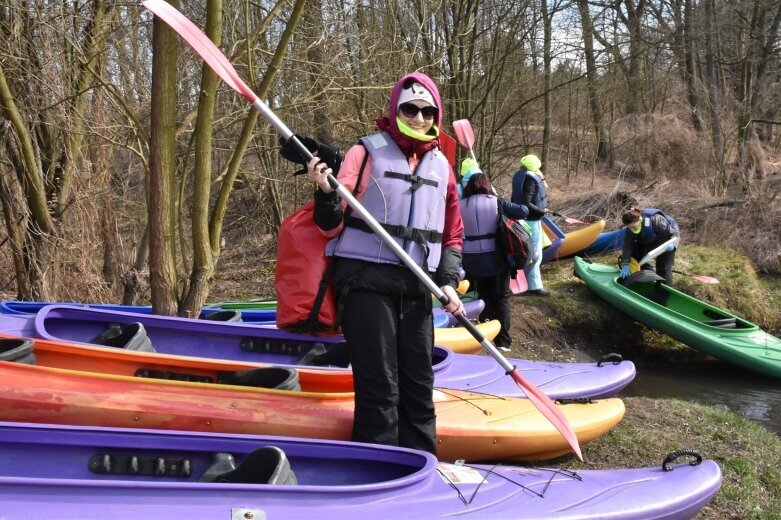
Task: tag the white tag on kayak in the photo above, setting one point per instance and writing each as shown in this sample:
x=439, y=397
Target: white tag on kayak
x=460, y=474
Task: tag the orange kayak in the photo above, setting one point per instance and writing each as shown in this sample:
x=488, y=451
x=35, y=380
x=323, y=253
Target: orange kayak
x=79, y=385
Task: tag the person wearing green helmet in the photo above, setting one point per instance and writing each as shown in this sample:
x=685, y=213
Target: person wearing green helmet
x=530, y=190
x=468, y=168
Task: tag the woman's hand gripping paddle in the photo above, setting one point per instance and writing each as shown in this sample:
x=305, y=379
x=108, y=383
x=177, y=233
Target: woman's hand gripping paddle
x=223, y=68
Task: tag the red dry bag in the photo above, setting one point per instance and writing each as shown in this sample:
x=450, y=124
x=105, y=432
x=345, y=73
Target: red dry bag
x=305, y=296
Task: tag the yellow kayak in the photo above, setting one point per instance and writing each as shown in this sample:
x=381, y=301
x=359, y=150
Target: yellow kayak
x=575, y=241
x=458, y=339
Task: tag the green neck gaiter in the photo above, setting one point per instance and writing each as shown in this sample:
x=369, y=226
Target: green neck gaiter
x=409, y=132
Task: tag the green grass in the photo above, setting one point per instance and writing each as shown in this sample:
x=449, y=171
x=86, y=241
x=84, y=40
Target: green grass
x=749, y=455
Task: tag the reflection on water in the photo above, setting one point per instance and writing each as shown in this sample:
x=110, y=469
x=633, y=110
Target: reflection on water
x=748, y=394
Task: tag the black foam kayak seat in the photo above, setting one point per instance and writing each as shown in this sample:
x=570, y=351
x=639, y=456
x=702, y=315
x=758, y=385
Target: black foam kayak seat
x=130, y=337
x=266, y=465
x=230, y=316
x=722, y=323
x=17, y=350
x=276, y=378
x=334, y=355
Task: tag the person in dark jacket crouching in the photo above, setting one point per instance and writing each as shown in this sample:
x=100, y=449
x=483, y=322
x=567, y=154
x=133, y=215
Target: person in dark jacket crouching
x=484, y=265
x=404, y=180
x=646, y=230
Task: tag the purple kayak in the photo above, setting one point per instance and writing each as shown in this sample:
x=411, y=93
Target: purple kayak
x=49, y=471
x=442, y=318
x=253, y=344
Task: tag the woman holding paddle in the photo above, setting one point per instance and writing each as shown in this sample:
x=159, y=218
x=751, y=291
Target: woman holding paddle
x=406, y=183
x=484, y=265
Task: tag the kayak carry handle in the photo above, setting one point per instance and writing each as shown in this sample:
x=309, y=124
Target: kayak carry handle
x=575, y=400
x=613, y=356
x=672, y=457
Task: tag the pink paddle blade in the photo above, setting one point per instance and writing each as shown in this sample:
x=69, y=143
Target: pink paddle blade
x=201, y=44
x=518, y=285
x=464, y=133
x=704, y=279
x=553, y=414
x=569, y=220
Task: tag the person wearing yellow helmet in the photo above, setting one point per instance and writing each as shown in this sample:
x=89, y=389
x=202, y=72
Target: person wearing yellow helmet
x=468, y=168
x=530, y=190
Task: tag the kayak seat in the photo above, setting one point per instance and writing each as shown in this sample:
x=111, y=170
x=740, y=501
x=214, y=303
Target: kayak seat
x=337, y=355
x=130, y=337
x=276, y=378
x=17, y=350
x=230, y=316
x=722, y=323
x=266, y=465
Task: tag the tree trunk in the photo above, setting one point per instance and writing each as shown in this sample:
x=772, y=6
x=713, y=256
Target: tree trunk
x=713, y=97
x=161, y=196
x=547, y=31
x=204, y=252
x=602, y=148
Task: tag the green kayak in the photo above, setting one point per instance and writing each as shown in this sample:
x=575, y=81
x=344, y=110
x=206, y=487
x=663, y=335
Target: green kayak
x=689, y=320
x=264, y=305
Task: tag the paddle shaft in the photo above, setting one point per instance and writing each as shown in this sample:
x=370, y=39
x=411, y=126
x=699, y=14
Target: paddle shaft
x=658, y=250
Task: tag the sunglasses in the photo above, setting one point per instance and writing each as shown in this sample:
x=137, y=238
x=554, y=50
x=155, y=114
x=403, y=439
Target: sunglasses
x=411, y=110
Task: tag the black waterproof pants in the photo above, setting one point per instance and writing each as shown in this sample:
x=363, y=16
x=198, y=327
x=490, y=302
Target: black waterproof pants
x=495, y=292
x=664, y=266
x=387, y=323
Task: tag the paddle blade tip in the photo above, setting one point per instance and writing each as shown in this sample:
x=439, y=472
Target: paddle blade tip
x=548, y=408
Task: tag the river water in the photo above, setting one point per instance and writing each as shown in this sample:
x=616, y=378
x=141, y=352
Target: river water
x=746, y=393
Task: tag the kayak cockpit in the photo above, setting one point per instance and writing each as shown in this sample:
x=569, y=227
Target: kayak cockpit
x=66, y=454
x=651, y=286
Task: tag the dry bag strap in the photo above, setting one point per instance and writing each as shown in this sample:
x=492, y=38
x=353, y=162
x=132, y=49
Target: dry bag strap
x=328, y=275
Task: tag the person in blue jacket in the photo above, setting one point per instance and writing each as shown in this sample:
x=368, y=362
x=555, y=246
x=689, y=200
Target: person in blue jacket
x=646, y=230
x=484, y=265
x=530, y=191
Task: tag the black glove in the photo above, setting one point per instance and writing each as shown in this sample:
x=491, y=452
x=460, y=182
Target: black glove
x=327, y=153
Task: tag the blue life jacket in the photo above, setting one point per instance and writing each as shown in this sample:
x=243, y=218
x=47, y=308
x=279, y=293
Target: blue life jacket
x=647, y=234
x=409, y=205
x=479, y=214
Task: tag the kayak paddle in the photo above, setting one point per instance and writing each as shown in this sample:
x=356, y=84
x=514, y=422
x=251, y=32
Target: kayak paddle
x=568, y=220
x=699, y=277
x=220, y=64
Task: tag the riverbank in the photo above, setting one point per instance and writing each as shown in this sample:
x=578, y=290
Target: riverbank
x=574, y=325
